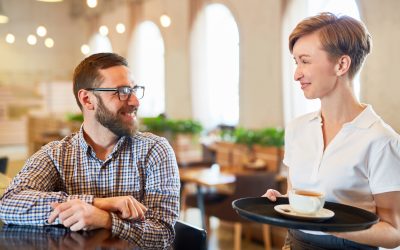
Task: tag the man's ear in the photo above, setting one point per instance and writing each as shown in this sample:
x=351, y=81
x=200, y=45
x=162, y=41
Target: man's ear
x=342, y=65
x=86, y=99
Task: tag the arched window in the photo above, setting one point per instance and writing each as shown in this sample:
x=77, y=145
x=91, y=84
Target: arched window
x=99, y=43
x=215, y=67
x=295, y=104
x=146, y=58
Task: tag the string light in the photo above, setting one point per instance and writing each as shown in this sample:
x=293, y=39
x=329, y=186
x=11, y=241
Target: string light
x=103, y=30
x=120, y=28
x=10, y=38
x=31, y=39
x=91, y=3
x=85, y=49
x=165, y=20
x=3, y=16
x=41, y=31
x=49, y=42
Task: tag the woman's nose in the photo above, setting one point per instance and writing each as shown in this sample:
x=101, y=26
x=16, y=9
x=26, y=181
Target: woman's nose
x=298, y=74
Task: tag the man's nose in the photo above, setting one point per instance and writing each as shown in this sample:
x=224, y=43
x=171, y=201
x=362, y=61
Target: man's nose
x=133, y=100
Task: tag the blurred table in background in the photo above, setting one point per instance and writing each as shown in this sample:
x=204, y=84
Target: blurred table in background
x=204, y=177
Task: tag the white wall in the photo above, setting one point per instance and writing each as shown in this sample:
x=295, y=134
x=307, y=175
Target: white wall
x=259, y=23
x=380, y=84
x=26, y=65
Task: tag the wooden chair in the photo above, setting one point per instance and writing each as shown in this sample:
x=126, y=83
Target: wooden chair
x=3, y=164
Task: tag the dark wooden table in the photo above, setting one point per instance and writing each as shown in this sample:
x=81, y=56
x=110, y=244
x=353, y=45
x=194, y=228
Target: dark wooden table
x=13, y=237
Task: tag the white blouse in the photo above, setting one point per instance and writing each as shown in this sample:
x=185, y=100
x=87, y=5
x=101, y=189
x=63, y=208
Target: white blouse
x=362, y=159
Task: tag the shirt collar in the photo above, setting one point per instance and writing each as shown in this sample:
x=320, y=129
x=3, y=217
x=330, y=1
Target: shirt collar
x=82, y=140
x=87, y=148
x=364, y=120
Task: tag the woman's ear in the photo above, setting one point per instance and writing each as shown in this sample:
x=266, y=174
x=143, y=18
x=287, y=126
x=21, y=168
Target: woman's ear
x=343, y=65
x=86, y=99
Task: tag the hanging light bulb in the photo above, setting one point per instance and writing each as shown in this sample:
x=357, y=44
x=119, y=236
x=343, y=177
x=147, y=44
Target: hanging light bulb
x=165, y=20
x=31, y=39
x=10, y=38
x=103, y=30
x=3, y=16
x=85, y=49
x=41, y=31
x=49, y=42
x=91, y=3
x=120, y=28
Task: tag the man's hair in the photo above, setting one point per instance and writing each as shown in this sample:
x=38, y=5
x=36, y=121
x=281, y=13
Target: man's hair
x=87, y=75
x=339, y=35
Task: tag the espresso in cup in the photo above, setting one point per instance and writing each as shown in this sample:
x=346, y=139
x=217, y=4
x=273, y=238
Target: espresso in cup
x=306, y=201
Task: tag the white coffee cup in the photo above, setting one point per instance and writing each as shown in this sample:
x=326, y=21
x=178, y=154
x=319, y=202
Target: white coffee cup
x=306, y=201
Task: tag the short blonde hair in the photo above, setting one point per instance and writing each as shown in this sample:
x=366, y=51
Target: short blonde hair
x=339, y=35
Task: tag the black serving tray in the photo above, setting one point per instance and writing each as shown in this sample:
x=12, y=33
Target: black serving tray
x=347, y=218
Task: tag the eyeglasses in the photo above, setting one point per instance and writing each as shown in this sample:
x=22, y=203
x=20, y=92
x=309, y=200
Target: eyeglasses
x=124, y=92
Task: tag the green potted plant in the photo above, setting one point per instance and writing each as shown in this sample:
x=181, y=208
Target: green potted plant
x=182, y=134
x=262, y=148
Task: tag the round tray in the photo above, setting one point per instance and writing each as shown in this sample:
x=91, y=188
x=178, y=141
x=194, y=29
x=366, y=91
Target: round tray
x=347, y=218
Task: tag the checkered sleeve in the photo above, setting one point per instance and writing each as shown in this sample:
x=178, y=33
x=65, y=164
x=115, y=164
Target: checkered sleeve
x=27, y=200
x=161, y=198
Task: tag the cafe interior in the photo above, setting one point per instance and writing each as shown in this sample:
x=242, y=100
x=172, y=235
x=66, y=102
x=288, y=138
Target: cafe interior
x=219, y=86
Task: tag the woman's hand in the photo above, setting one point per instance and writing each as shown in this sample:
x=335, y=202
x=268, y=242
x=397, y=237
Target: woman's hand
x=271, y=194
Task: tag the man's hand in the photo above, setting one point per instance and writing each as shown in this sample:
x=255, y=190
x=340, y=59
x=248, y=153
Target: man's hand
x=79, y=215
x=126, y=207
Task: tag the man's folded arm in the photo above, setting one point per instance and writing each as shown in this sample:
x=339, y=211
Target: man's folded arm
x=27, y=200
x=161, y=197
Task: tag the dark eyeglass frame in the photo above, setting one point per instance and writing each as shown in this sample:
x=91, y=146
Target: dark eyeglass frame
x=124, y=92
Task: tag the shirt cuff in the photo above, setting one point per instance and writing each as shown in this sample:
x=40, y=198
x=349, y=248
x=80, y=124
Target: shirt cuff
x=123, y=228
x=86, y=198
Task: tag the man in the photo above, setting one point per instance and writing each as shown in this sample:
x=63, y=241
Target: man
x=107, y=175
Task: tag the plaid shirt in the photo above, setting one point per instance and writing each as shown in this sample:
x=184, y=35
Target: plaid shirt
x=143, y=166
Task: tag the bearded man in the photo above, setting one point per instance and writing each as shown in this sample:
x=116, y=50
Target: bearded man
x=107, y=175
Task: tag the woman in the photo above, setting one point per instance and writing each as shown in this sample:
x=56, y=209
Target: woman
x=345, y=149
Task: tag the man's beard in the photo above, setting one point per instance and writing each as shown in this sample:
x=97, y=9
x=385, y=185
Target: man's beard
x=115, y=124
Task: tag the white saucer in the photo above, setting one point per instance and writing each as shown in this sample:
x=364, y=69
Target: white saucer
x=286, y=210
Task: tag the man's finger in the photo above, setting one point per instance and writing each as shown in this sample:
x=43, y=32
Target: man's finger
x=54, y=204
x=139, y=210
x=71, y=220
x=64, y=215
x=79, y=225
x=53, y=215
x=134, y=211
x=143, y=207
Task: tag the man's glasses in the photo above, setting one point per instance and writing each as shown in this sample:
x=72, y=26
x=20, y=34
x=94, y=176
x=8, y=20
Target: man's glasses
x=124, y=92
